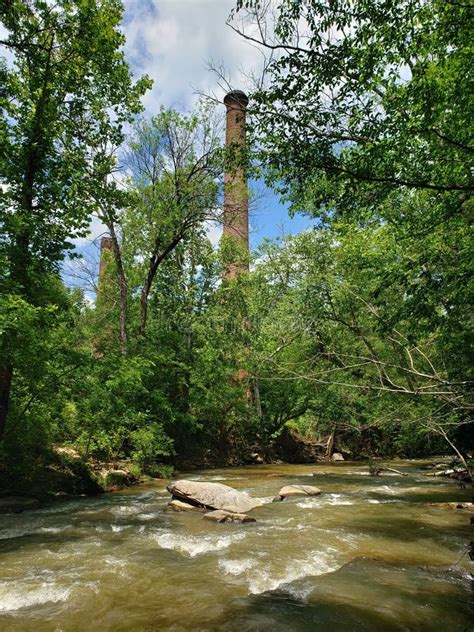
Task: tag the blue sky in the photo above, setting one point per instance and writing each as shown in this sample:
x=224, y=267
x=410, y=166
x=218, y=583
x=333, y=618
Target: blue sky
x=173, y=42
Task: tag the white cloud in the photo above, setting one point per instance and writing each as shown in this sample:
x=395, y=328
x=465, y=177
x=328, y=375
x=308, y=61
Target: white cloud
x=96, y=229
x=5, y=51
x=214, y=233
x=173, y=41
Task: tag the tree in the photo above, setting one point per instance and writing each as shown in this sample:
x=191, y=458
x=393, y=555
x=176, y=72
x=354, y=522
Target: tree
x=67, y=92
x=176, y=171
x=349, y=341
x=363, y=99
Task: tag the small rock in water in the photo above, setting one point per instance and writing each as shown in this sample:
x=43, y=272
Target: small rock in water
x=227, y=516
x=298, y=490
x=17, y=504
x=179, y=505
x=337, y=456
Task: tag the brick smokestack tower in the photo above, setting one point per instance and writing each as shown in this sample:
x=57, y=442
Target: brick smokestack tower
x=236, y=207
x=105, y=246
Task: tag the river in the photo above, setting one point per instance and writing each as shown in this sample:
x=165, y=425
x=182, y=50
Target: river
x=369, y=553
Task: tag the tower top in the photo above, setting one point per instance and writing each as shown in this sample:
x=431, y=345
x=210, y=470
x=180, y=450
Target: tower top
x=106, y=242
x=236, y=97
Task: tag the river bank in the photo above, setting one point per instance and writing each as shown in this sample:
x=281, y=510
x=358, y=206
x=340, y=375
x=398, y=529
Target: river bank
x=63, y=473
x=369, y=553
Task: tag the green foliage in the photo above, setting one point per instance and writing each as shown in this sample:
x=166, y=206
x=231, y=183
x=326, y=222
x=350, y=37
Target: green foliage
x=159, y=470
x=148, y=443
x=67, y=93
x=363, y=98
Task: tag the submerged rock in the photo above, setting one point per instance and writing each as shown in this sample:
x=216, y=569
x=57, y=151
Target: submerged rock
x=219, y=515
x=17, y=504
x=466, y=506
x=213, y=496
x=297, y=490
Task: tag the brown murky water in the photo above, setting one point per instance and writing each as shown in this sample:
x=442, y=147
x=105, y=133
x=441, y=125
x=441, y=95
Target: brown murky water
x=368, y=554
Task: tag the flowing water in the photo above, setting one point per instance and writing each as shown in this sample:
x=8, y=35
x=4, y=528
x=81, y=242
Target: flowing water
x=370, y=553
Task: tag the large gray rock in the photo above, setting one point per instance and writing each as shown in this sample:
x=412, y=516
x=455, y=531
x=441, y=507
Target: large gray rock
x=213, y=496
x=17, y=504
x=337, y=457
x=298, y=490
x=219, y=515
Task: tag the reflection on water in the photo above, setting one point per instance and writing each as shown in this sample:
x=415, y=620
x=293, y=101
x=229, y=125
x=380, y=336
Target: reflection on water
x=368, y=554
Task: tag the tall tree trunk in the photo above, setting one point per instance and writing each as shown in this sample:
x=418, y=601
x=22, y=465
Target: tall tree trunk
x=6, y=374
x=123, y=288
x=19, y=276
x=19, y=266
x=144, y=302
x=20, y=254
x=330, y=443
x=256, y=397
x=155, y=260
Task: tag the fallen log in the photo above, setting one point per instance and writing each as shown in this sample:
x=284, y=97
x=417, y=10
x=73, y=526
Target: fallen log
x=392, y=469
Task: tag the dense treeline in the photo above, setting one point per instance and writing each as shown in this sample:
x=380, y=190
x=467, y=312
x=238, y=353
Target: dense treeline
x=358, y=329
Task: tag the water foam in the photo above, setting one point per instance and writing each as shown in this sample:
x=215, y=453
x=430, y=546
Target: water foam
x=115, y=561
x=323, y=501
x=144, y=517
x=122, y=511
x=391, y=501
x=195, y=545
x=237, y=567
x=52, y=529
x=385, y=489
x=261, y=579
x=29, y=529
x=15, y=597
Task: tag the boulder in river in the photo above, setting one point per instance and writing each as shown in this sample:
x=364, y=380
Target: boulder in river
x=297, y=490
x=17, y=504
x=219, y=515
x=337, y=457
x=213, y=496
